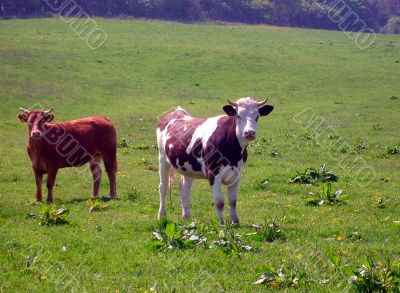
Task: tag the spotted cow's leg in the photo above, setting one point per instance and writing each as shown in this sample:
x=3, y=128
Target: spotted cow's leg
x=232, y=197
x=218, y=199
x=164, y=169
x=186, y=188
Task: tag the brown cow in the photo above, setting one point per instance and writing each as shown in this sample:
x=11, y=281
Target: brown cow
x=70, y=144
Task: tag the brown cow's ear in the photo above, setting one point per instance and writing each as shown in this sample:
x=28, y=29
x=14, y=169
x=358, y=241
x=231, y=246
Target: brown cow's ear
x=48, y=118
x=265, y=110
x=22, y=117
x=229, y=110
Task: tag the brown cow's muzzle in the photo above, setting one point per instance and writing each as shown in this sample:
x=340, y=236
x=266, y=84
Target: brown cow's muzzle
x=36, y=134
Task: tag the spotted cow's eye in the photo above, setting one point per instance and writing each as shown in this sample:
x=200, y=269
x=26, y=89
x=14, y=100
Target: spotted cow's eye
x=257, y=118
x=238, y=117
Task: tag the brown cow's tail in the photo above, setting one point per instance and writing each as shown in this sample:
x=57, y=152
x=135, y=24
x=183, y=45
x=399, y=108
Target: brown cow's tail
x=171, y=181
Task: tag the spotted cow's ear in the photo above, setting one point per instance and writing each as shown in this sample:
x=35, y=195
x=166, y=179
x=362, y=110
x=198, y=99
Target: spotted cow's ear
x=265, y=110
x=22, y=117
x=229, y=110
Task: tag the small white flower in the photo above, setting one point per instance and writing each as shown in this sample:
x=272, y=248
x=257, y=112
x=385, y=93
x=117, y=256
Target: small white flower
x=194, y=238
x=338, y=192
x=247, y=247
x=154, y=288
x=202, y=240
x=259, y=281
x=157, y=235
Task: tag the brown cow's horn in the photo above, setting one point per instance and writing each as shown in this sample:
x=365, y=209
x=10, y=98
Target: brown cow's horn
x=24, y=110
x=262, y=103
x=231, y=103
x=48, y=111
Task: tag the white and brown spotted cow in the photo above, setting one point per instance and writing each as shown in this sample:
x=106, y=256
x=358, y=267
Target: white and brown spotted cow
x=210, y=148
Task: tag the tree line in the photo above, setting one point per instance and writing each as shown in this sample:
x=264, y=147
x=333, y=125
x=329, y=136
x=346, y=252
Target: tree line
x=377, y=15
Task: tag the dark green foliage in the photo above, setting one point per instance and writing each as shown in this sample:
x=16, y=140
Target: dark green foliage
x=275, y=153
x=313, y=176
x=49, y=215
x=171, y=236
x=229, y=241
x=282, y=277
x=376, y=127
x=392, y=150
x=267, y=232
x=261, y=184
x=95, y=205
x=371, y=276
x=134, y=193
x=299, y=13
x=329, y=195
x=379, y=203
x=354, y=236
x=392, y=26
x=123, y=143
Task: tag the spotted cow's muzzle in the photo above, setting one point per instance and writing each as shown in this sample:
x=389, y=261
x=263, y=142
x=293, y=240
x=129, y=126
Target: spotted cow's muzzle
x=250, y=135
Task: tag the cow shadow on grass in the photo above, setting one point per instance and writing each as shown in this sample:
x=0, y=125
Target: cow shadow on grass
x=83, y=199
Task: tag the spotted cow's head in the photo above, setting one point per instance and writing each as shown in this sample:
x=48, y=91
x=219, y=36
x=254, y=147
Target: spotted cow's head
x=247, y=112
x=36, y=121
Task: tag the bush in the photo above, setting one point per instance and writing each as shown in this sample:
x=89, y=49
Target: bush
x=269, y=232
x=392, y=26
x=313, y=176
x=49, y=215
x=329, y=195
x=371, y=276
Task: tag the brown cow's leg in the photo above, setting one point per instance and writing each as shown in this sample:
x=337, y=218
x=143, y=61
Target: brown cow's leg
x=111, y=168
x=51, y=179
x=96, y=174
x=38, y=177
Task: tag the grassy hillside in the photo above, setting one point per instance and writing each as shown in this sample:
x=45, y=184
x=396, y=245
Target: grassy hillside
x=145, y=69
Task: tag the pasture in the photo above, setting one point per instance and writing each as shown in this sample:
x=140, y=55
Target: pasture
x=145, y=69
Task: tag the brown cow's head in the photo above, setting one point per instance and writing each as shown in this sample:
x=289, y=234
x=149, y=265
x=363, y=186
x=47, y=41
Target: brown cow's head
x=36, y=121
x=247, y=111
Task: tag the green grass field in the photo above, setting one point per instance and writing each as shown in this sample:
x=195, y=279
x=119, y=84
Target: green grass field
x=145, y=69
